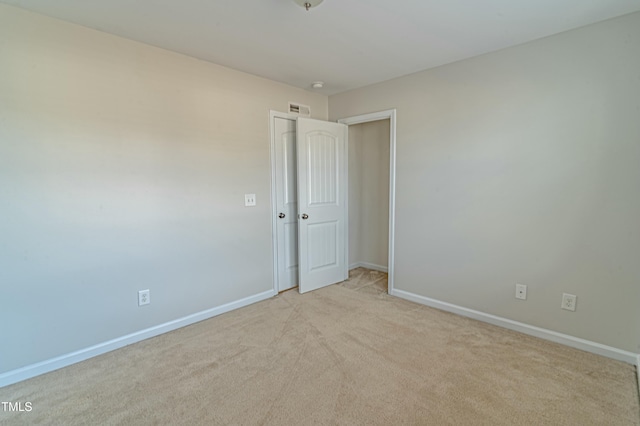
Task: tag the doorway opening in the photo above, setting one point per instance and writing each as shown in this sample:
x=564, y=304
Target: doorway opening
x=369, y=202
x=369, y=236
x=374, y=145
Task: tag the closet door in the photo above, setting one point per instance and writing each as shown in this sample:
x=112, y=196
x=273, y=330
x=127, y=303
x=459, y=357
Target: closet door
x=286, y=202
x=322, y=203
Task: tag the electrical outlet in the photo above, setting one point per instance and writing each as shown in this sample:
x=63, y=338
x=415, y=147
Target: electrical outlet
x=144, y=297
x=249, y=200
x=521, y=291
x=569, y=301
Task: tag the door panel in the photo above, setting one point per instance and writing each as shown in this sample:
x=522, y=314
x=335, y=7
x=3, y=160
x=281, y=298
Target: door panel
x=324, y=236
x=291, y=247
x=322, y=209
x=322, y=171
x=286, y=202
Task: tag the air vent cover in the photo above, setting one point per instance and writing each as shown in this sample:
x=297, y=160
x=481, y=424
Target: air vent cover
x=299, y=109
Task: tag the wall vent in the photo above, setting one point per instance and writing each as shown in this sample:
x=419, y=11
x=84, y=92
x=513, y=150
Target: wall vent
x=299, y=109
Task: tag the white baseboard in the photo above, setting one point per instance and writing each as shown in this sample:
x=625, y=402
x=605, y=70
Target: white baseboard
x=565, y=339
x=368, y=265
x=49, y=365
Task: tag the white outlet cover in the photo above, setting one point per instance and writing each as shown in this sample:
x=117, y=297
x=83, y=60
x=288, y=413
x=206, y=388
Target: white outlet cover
x=521, y=291
x=144, y=297
x=569, y=301
x=249, y=200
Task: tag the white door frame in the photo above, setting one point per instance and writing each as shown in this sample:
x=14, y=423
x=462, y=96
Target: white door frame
x=389, y=114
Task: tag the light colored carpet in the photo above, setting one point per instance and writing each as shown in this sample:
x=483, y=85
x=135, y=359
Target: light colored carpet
x=346, y=354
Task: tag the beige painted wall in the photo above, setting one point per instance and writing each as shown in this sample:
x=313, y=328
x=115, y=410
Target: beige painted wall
x=369, y=193
x=124, y=167
x=522, y=166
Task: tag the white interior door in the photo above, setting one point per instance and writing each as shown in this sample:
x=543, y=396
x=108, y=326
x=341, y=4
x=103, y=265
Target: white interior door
x=286, y=202
x=322, y=203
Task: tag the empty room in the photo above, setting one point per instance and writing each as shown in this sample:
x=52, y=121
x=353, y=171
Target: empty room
x=320, y=212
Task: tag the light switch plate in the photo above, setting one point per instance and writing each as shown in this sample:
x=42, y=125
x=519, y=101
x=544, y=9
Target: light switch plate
x=249, y=200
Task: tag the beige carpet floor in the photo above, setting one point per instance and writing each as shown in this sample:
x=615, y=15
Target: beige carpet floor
x=348, y=354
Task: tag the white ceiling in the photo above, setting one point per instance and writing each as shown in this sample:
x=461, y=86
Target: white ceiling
x=345, y=43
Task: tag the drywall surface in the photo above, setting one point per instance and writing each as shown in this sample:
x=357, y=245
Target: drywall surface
x=355, y=192
x=124, y=167
x=522, y=166
x=369, y=193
